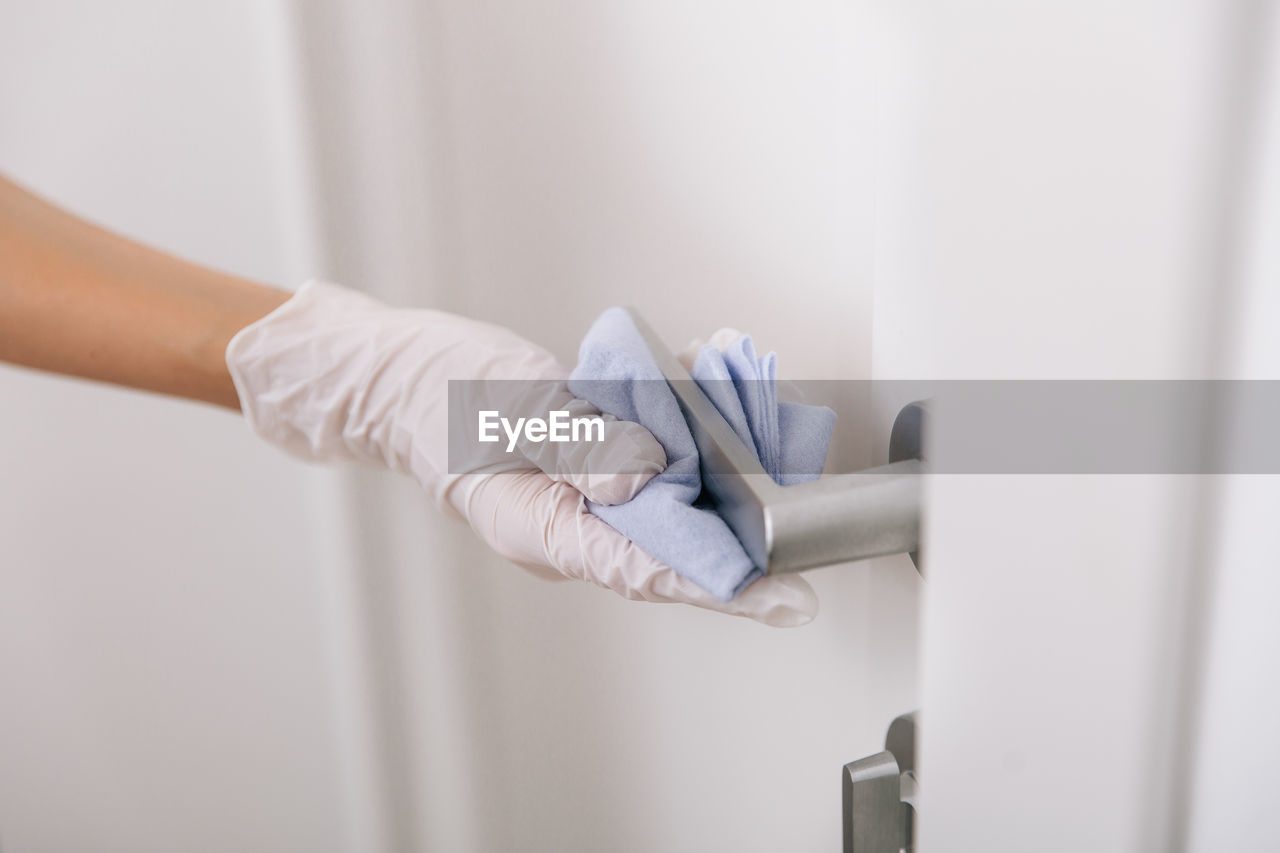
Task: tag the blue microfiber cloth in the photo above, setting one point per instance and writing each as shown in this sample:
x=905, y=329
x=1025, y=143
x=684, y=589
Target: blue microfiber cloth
x=617, y=374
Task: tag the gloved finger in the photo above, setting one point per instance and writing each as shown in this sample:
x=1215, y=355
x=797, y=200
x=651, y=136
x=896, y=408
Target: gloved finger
x=606, y=459
x=544, y=527
x=721, y=339
x=782, y=602
x=608, y=463
x=503, y=510
x=582, y=545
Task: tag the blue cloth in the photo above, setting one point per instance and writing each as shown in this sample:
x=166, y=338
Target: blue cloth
x=617, y=374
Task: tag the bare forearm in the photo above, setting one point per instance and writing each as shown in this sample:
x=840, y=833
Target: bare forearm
x=79, y=300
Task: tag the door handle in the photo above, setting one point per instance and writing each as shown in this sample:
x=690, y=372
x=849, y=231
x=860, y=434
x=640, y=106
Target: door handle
x=870, y=513
x=880, y=794
x=836, y=519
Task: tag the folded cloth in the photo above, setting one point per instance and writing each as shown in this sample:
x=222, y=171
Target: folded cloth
x=617, y=374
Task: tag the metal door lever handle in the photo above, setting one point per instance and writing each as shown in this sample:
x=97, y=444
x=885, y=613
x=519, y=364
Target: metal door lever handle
x=831, y=520
x=846, y=517
x=880, y=794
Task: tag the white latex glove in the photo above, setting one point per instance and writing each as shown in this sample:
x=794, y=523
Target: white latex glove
x=333, y=374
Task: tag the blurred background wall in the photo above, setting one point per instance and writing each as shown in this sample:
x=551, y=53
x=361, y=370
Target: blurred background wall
x=165, y=622
x=207, y=646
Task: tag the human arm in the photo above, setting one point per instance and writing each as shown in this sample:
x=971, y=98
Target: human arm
x=329, y=373
x=80, y=300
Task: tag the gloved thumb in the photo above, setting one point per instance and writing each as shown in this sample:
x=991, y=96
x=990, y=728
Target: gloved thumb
x=581, y=545
x=608, y=470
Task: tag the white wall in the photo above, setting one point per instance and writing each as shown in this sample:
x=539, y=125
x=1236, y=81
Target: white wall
x=190, y=658
x=165, y=625
x=712, y=165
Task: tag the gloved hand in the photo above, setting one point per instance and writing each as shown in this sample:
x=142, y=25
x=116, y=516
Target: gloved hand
x=333, y=374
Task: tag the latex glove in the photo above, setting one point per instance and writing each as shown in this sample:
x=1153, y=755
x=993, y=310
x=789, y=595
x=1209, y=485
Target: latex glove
x=334, y=374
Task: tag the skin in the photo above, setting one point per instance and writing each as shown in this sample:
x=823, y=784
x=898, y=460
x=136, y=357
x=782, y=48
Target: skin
x=79, y=300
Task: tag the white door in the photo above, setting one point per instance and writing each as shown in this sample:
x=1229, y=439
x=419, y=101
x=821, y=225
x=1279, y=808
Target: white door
x=237, y=651
x=532, y=164
x=904, y=190
x=1081, y=192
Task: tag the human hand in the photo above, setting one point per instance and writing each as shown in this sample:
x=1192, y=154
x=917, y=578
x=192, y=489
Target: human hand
x=334, y=374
